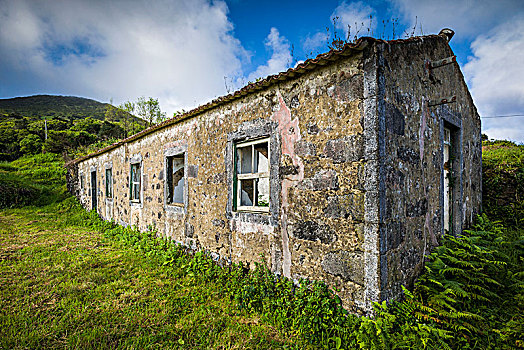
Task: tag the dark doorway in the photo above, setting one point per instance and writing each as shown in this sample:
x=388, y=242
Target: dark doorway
x=93, y=190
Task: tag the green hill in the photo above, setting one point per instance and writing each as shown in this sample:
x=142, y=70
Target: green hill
x=57, y=106
x=72, y=127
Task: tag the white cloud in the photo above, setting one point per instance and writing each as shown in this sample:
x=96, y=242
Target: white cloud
x=178, y=51
x=314, y=42
x=495, y=75
x=351, y=20
x=354, y=19
x=280, y=59
x=466, y=17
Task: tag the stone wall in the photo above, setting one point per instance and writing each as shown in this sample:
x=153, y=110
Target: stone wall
x=412, y=164
x=315, y=225
x=355, y=170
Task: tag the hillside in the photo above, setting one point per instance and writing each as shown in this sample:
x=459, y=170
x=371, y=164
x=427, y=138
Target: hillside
x=47, y=105
x=73, y=125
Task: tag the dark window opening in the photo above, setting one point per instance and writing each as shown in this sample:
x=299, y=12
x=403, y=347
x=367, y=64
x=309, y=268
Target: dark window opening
x=93, y=190
x=109, y=183
x=175, y=179
x=135, y=182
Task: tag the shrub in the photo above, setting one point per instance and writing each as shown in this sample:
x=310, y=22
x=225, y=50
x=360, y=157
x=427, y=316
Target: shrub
x=32, y=180
x=503, y=182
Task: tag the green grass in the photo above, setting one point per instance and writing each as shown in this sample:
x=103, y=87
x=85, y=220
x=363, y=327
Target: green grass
x=70, y=280
x=32, y=180
x=63, y=285
x=503, y=182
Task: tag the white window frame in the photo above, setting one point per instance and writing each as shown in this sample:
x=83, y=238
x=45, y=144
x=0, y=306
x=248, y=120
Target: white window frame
x=132, y=194
x=251, y=176
x=170, y=186
x=109, y=184
x=448, y=192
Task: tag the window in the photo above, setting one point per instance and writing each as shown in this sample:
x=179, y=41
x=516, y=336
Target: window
x=109, y=183
x=252, y=175
x=94, y=192
x=135, y=182
x=82, y=181
x=175, y=180
x=447, y=165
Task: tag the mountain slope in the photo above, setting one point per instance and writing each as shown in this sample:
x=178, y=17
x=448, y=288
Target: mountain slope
x=57, y=106
x=72, y=127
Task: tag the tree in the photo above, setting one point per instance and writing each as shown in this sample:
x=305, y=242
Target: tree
x=31, y=144
x=149, y=110
x=110, y=130
x=111, y=113
x=127, y=108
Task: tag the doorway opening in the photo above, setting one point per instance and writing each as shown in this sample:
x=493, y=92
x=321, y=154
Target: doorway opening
x=447, y=165
x=93, y=190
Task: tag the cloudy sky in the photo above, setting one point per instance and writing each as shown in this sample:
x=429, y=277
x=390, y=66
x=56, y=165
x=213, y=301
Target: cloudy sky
x=187, y=52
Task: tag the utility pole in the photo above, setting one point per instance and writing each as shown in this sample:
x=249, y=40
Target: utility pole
x=45, y=126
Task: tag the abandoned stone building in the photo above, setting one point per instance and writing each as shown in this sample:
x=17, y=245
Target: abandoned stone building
x=348, y=168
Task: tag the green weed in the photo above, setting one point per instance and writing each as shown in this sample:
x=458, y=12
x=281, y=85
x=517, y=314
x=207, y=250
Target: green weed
x=64, y=284
x=69, y=279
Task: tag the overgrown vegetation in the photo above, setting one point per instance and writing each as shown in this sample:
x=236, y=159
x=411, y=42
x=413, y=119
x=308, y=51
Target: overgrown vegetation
x=69, y=126
x=64, y=285
x=503, y=182
x=21, y=135
x=32, y=180
x=470, y=297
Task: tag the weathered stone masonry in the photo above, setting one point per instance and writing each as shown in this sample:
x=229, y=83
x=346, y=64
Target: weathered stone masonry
x=355, y=168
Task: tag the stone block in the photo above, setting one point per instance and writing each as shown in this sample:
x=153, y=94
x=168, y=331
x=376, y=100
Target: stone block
x=395, y=122
x=321, y=181
x=349, y=206
x=416, y=209
x=346, y=149
x=347, y=265
x=313, y=231
x=304, y=148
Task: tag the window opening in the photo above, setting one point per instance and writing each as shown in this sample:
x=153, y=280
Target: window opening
x=109, y=183
x=93, y=190
x=135, y=182
x=175, y=179
x=252, y=175
x=82, y=182
x=447, y=165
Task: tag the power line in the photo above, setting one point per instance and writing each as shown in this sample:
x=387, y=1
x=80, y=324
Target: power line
x=504, y=116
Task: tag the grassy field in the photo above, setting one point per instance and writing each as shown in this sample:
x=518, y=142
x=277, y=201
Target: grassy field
x=70, y=280
x=66, y=286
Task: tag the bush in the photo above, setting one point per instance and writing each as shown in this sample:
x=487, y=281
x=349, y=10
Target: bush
x=32, y=180
x=503, y=182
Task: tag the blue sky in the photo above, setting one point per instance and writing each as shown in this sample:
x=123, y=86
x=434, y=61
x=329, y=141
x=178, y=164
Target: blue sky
x=187, y=52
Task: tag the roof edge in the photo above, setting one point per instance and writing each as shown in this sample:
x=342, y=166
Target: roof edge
x=320, y=60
